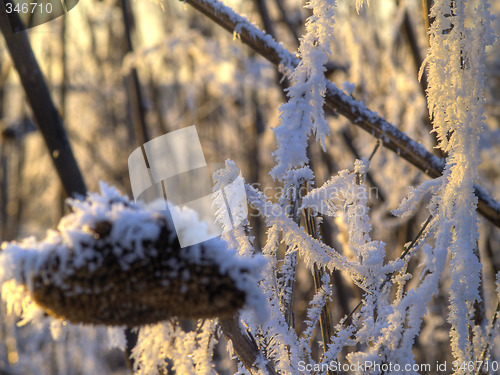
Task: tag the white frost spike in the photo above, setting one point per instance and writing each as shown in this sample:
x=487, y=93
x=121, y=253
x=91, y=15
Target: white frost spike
x=410, y=202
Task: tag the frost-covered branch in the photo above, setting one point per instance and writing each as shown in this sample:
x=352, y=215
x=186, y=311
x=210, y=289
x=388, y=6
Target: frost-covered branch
x=392, y=138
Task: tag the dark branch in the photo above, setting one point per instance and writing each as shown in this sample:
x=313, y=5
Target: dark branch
x=46, y=115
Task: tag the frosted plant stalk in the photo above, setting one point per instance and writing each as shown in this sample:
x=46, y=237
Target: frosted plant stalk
x=303, y=113
x=456, y=66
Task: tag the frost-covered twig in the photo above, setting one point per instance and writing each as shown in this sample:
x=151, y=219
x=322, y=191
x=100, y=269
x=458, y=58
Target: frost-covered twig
x=245, y=348
x=484, y=352
x=290, y=202
x=392, y=138
x=410, y=247
x=345, y=320
x=312, y=250
x=319, y=283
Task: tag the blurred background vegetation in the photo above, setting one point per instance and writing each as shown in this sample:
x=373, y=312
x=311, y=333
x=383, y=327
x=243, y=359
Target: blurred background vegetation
x=124, y=72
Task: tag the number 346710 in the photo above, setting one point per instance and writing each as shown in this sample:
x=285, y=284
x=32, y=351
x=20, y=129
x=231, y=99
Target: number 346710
x=29, y=8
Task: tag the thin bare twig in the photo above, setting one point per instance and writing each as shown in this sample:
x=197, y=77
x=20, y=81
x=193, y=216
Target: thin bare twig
x=288, y=22
x=266, y=18
x=486, y=349
x=134, y=85
x=375, y=149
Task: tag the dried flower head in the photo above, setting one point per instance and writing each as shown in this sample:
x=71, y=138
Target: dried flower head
x=113, y=262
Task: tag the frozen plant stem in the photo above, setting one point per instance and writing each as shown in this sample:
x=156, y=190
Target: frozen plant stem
x=292, y=261
x=456, y=97
x=356, y=112
x=245, y=348
x=486, y=349
x=325, y=320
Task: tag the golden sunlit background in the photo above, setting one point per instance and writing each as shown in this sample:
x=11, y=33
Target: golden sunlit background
x=125, y=72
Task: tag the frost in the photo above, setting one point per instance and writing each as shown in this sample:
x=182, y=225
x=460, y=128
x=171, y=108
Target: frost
x=229, y=197
x=111, y=249
x=348, y=87
x=190, y=352
x=361, y=166
x=456, y=67
x=313, y=315
x=303, y=114
x=344, y=197
x=414, y=197
x=117, y=338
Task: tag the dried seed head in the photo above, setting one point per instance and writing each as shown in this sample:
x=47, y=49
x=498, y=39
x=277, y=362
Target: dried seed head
x=115, y=263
